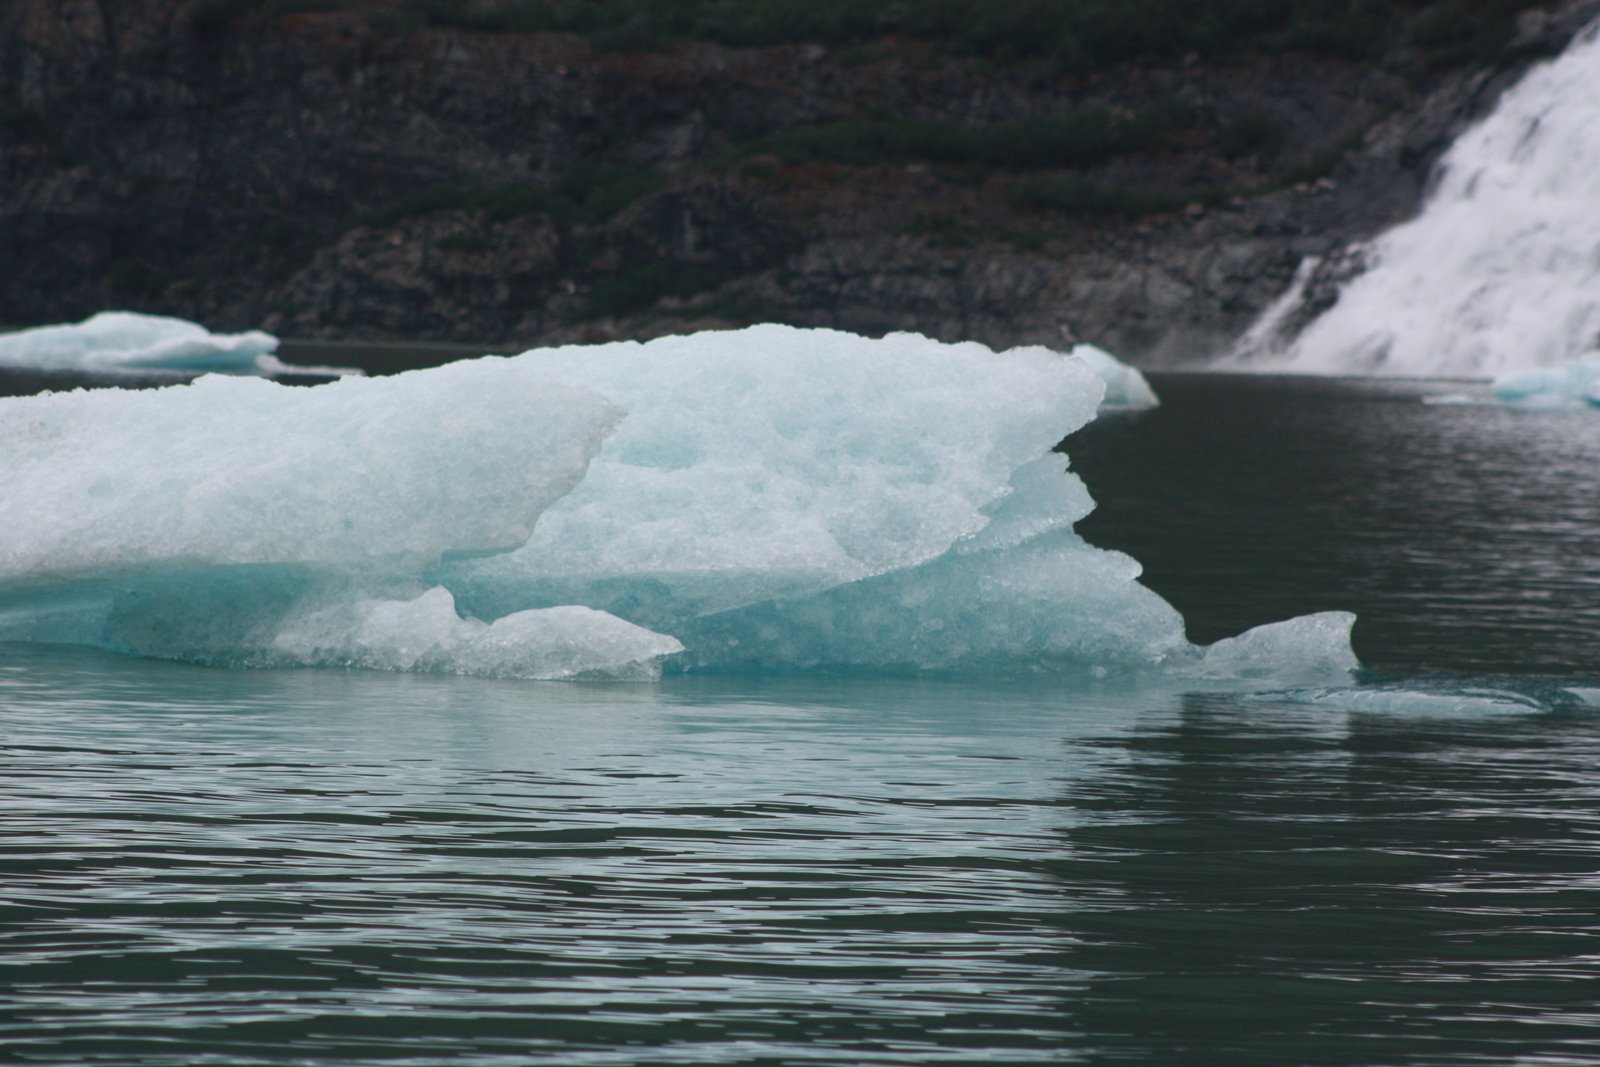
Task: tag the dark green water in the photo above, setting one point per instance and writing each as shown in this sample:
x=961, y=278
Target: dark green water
x=1465, y=538
x=316, y=867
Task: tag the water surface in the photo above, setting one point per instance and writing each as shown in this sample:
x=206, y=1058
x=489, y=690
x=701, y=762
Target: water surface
x=323, y=867
x=1465, y=537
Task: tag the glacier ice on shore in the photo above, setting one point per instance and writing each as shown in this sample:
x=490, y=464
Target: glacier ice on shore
x=769, y=499
x=122, y=342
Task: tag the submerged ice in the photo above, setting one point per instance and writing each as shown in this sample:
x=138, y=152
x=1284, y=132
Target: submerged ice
x=764, y=499
x=126, y=342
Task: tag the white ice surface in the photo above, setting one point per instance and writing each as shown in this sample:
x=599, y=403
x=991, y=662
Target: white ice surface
x=776, y=461
x=1310, y=644
x=114, y=342
x=1126, y=388
x=382, y=472
x=427, y=634
x=765, y=499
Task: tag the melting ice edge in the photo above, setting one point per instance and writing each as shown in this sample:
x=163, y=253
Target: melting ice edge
x=768, y=499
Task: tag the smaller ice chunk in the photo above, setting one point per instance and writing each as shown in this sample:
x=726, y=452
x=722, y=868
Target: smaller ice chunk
x=1573, y=384
x=1307, y=646
x=113, y=342
x=427, y=634
x=1126, y=388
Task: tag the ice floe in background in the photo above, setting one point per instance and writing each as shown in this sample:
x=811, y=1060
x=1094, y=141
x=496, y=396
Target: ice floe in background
x=769, y=499
x=1575, y=384
x=1126, y=388
x=126, y=342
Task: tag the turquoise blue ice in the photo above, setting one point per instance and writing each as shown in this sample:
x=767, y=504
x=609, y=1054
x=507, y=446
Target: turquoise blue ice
x=770, y=499
x=125, y=342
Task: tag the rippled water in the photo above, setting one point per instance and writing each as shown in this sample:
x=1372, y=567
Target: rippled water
x=1465, y=537
x=312, y=867
x=316, y=867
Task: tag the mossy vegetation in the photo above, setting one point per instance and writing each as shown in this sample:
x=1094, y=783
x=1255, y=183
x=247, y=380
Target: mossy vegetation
x=1080, y=38
x=1042, y=177
x=23, y=123
x=588, y=195
x=463, y=242
x=1254, y=133
x=130, y=277
x=1087, y=196
x=942, y=229
x=214, y=18
x=1081, y=138
x=1082, y=35
x=641, y=286
x=738, y=305
x=1321, y=162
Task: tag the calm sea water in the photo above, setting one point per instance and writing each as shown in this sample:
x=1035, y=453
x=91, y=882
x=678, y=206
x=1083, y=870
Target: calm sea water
x=318, y=867
x=1465, y=537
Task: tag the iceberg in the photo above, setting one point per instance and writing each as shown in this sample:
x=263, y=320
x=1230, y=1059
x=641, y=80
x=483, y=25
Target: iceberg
x=1316, y=644
x=1574, y=384
x=126, y=342
x=1126, y=388
x=1568, y=386
x=768, y=499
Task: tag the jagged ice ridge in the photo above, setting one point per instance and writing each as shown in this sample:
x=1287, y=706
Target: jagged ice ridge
x=769, y=499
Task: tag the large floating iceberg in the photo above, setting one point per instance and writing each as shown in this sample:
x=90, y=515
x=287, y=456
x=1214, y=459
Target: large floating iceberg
x=764, y=499
x=124, y=342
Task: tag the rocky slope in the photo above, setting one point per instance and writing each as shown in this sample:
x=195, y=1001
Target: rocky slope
x=333, y=170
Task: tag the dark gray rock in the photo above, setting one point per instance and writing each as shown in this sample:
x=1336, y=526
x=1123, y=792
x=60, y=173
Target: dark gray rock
x=306, y=173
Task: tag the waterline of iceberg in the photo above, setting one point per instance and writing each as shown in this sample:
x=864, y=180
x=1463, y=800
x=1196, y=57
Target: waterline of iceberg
x=769, y=499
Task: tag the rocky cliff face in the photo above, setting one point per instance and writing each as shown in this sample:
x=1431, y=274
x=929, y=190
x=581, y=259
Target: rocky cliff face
x=323, y=170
